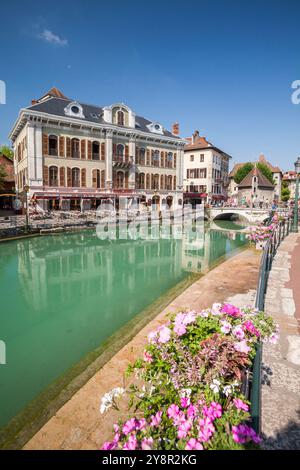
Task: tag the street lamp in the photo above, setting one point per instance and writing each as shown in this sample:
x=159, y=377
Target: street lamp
x=295, y=222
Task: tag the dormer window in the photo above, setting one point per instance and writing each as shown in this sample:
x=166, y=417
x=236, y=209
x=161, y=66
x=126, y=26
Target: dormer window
x=155, y=127
x=74, y=110
x=120, y=118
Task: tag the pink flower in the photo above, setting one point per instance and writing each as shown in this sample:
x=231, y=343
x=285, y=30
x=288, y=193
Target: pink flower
x=184, y=402
x=231, y=310
x=116, y=427
x=248, y=325
x=108, y=445
x=164, y=334
x=141, y=424
x=180, y=329
x=131, y=443
x=191, y=411
x=242, y=347
x=273, y=338
x=216, y=309
x=244, y=433
x=189, y=318
x=206, y=429
x=156, y=419
x=215, y=410
x=183, y=429
x=240, y=405
x=179, y=419
x=238, y=332
x=173, y=411
x=148, y=357
x=152, y=337
x=226, y=327
x=147, y=443
x=129, y=426
x=193, y=444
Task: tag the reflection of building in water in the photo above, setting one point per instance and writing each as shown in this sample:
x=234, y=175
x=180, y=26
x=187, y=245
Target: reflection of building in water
x=203, y=247
x=52, y=271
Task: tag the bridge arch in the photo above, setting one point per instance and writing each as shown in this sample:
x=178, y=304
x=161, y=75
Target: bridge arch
x=230, y=215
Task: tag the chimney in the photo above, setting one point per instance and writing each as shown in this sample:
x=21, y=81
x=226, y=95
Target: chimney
x=175, y=128
x=34, y=102
x=195, y=136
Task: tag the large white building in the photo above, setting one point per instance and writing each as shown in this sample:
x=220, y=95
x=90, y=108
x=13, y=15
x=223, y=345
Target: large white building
x=73, y=155
x=206, y=169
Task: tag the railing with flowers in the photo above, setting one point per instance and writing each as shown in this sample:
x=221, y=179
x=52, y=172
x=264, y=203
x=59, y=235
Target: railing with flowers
x=188, y=387
x=271, y=237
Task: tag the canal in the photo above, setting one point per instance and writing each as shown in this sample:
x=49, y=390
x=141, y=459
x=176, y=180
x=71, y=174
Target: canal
x=62, y=296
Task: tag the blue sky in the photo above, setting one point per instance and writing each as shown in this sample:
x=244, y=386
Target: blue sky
x=224, y=67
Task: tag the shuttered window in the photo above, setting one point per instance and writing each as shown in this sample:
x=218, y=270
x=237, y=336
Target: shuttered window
x=69, y=177
x=83, y=144
x=45, y=144
x=89, y=150
x=83, y=177
x=68, y=147
x=103, y=151
x=46, y=175
x=61, y=146
x=62, y=177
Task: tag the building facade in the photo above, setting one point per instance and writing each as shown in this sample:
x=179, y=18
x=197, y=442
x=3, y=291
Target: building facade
x=73, y=156
x=277, y=178
x=290, y=177
x=7, y=189
x=255, y=190
x=206, y=169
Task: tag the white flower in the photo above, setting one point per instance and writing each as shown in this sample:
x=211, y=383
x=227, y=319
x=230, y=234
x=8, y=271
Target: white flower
x=215, y=386
x=185, y=393
x=227, y=390
x=108, y=398
x=215, y=310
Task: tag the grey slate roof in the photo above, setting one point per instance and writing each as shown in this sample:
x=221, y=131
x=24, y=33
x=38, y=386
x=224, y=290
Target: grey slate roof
x=56, y=107
x=263, y=181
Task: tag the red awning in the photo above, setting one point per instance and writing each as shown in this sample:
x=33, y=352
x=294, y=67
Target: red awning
x=195, y=195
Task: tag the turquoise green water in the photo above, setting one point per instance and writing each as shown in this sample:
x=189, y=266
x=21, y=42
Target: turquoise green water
x=62, y=296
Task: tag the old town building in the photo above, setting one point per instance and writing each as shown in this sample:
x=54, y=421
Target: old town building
x=73, y=155
x=255, y=190
x=206, y=169
x=7, y=188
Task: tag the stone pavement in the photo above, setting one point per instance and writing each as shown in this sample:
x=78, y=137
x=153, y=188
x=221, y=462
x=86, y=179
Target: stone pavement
x=281, y=362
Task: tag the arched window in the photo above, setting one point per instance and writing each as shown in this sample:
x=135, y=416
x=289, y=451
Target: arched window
x=155, y=157
x=120, y=118
x=170, y=159
x=95, y=150
x=156, y=181
x=162, y=159
x=75, y=148
x=53, y=147
x=75, y=177
x=96, y=177
x=53, y=176
x=169, y=183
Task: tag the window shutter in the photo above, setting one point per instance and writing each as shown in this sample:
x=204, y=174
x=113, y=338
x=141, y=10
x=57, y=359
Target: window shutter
x=103, y=151
x=69, y=177
x=83, y=149
x=83, y=177
x=94, y=178
x=89, y=150
x=102, y=179
x=126, y=180
x=45, y=144
x=148, y=157
x=68, y=147
x=46, y=176
x=175, y=160
x=174, y=183
x=114, y=149
x=126, y=153
x=61, y=146
x=62, y=177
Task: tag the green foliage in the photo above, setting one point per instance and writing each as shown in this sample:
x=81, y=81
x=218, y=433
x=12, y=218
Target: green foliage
x=7, y=151
x=265, y=170
x=285, y=192
x=242, y=172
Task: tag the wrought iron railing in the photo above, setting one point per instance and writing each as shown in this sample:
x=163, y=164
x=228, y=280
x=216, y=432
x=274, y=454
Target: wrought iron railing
x=269, y=252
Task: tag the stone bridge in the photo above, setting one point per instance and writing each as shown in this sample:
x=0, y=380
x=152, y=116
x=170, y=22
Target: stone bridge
x=248, y=215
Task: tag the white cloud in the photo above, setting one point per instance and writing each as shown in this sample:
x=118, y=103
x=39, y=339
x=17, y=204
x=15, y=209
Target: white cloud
x=52, y=38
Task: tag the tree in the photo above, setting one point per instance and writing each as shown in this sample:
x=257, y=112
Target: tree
x=3, y=174
x=285, y=191
x=7, y=151
x=265, y=170
x=242, y=172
